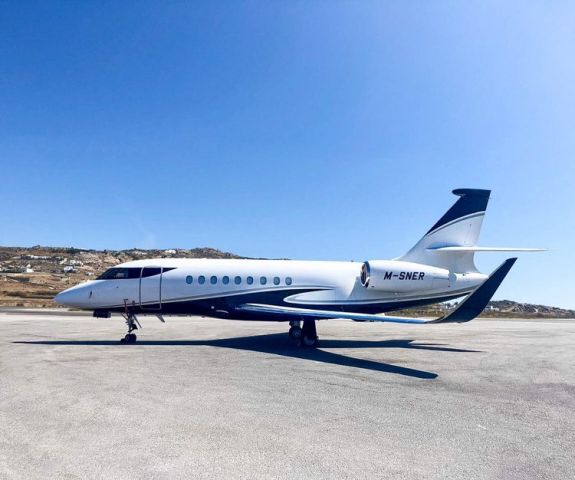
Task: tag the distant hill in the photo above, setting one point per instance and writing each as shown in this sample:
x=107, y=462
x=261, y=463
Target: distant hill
x=494, y=309
x=30, y=277
x=515, y=309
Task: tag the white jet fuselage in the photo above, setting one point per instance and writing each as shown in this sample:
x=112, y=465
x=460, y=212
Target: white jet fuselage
x=217, y=286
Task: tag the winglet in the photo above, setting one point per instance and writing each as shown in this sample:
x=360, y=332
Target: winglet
x=474, y=304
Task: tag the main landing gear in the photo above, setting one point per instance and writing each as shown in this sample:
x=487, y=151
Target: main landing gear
x=306, y=336
x=132, y=323
x=295, y=330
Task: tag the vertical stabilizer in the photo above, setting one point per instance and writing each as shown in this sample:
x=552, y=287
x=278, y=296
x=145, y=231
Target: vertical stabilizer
x=458, y=227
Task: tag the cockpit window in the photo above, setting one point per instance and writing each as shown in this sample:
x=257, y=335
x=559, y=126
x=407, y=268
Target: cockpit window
x=151, y=271
x=119, y=273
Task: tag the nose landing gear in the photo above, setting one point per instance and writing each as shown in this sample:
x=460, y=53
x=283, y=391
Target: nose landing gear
x=132, y=323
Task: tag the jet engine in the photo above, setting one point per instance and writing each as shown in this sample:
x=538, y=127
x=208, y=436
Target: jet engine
x=397, y=276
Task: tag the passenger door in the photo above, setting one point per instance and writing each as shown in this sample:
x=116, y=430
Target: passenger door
x=151, y=288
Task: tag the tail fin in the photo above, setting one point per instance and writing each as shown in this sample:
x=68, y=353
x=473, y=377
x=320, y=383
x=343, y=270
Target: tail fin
x=459, y=227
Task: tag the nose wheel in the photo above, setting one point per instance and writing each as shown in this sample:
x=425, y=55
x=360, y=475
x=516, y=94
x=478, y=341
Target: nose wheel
x=129, y=338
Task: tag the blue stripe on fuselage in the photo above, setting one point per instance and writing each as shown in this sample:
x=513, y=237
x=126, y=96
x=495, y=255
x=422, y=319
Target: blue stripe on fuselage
x=224, y=306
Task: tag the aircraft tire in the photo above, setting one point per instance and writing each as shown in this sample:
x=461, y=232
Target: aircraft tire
x=129, y=338
x=309, y=342
x=295, y=333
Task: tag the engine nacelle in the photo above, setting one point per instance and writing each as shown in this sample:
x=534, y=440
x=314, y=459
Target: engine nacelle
x=396, y=276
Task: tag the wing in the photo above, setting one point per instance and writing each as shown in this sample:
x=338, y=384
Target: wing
x=302, y=313
x=467, y=310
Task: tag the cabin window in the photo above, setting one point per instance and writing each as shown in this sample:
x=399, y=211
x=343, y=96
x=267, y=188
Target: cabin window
x=250, y=280
x=263, y=280
x=276, y=280
x=189, y=279
x=201, y=279
x=288, y=281
x=238, y=280
x=225, y=280
x=213, y=279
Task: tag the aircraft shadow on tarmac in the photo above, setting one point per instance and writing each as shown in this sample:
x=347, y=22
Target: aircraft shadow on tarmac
x=278, y=344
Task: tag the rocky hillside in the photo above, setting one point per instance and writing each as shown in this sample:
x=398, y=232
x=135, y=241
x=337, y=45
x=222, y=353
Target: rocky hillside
x=515, y=309
x=30, y=277
x=494, y=309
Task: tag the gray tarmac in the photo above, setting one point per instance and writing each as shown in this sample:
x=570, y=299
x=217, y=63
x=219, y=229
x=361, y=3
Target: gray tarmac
x=207, y=398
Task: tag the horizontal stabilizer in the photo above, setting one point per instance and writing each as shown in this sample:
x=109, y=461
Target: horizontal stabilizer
x=477, y=300
x=473, y=249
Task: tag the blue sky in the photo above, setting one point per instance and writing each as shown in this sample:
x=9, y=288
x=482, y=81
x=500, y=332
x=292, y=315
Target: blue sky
x=312, y=130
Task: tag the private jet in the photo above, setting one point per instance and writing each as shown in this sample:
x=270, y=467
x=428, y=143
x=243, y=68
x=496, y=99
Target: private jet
x=438, y=268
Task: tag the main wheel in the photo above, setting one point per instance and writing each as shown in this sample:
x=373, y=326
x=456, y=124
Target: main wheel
x=295, y=333
x=309, y=342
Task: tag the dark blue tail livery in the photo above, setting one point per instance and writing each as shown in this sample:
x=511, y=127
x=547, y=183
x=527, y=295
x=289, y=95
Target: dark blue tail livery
x=472, y=200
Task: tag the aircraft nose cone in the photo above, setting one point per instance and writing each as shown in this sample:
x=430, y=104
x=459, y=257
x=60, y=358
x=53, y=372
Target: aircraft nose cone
x=73, y=297
x=62, y=298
